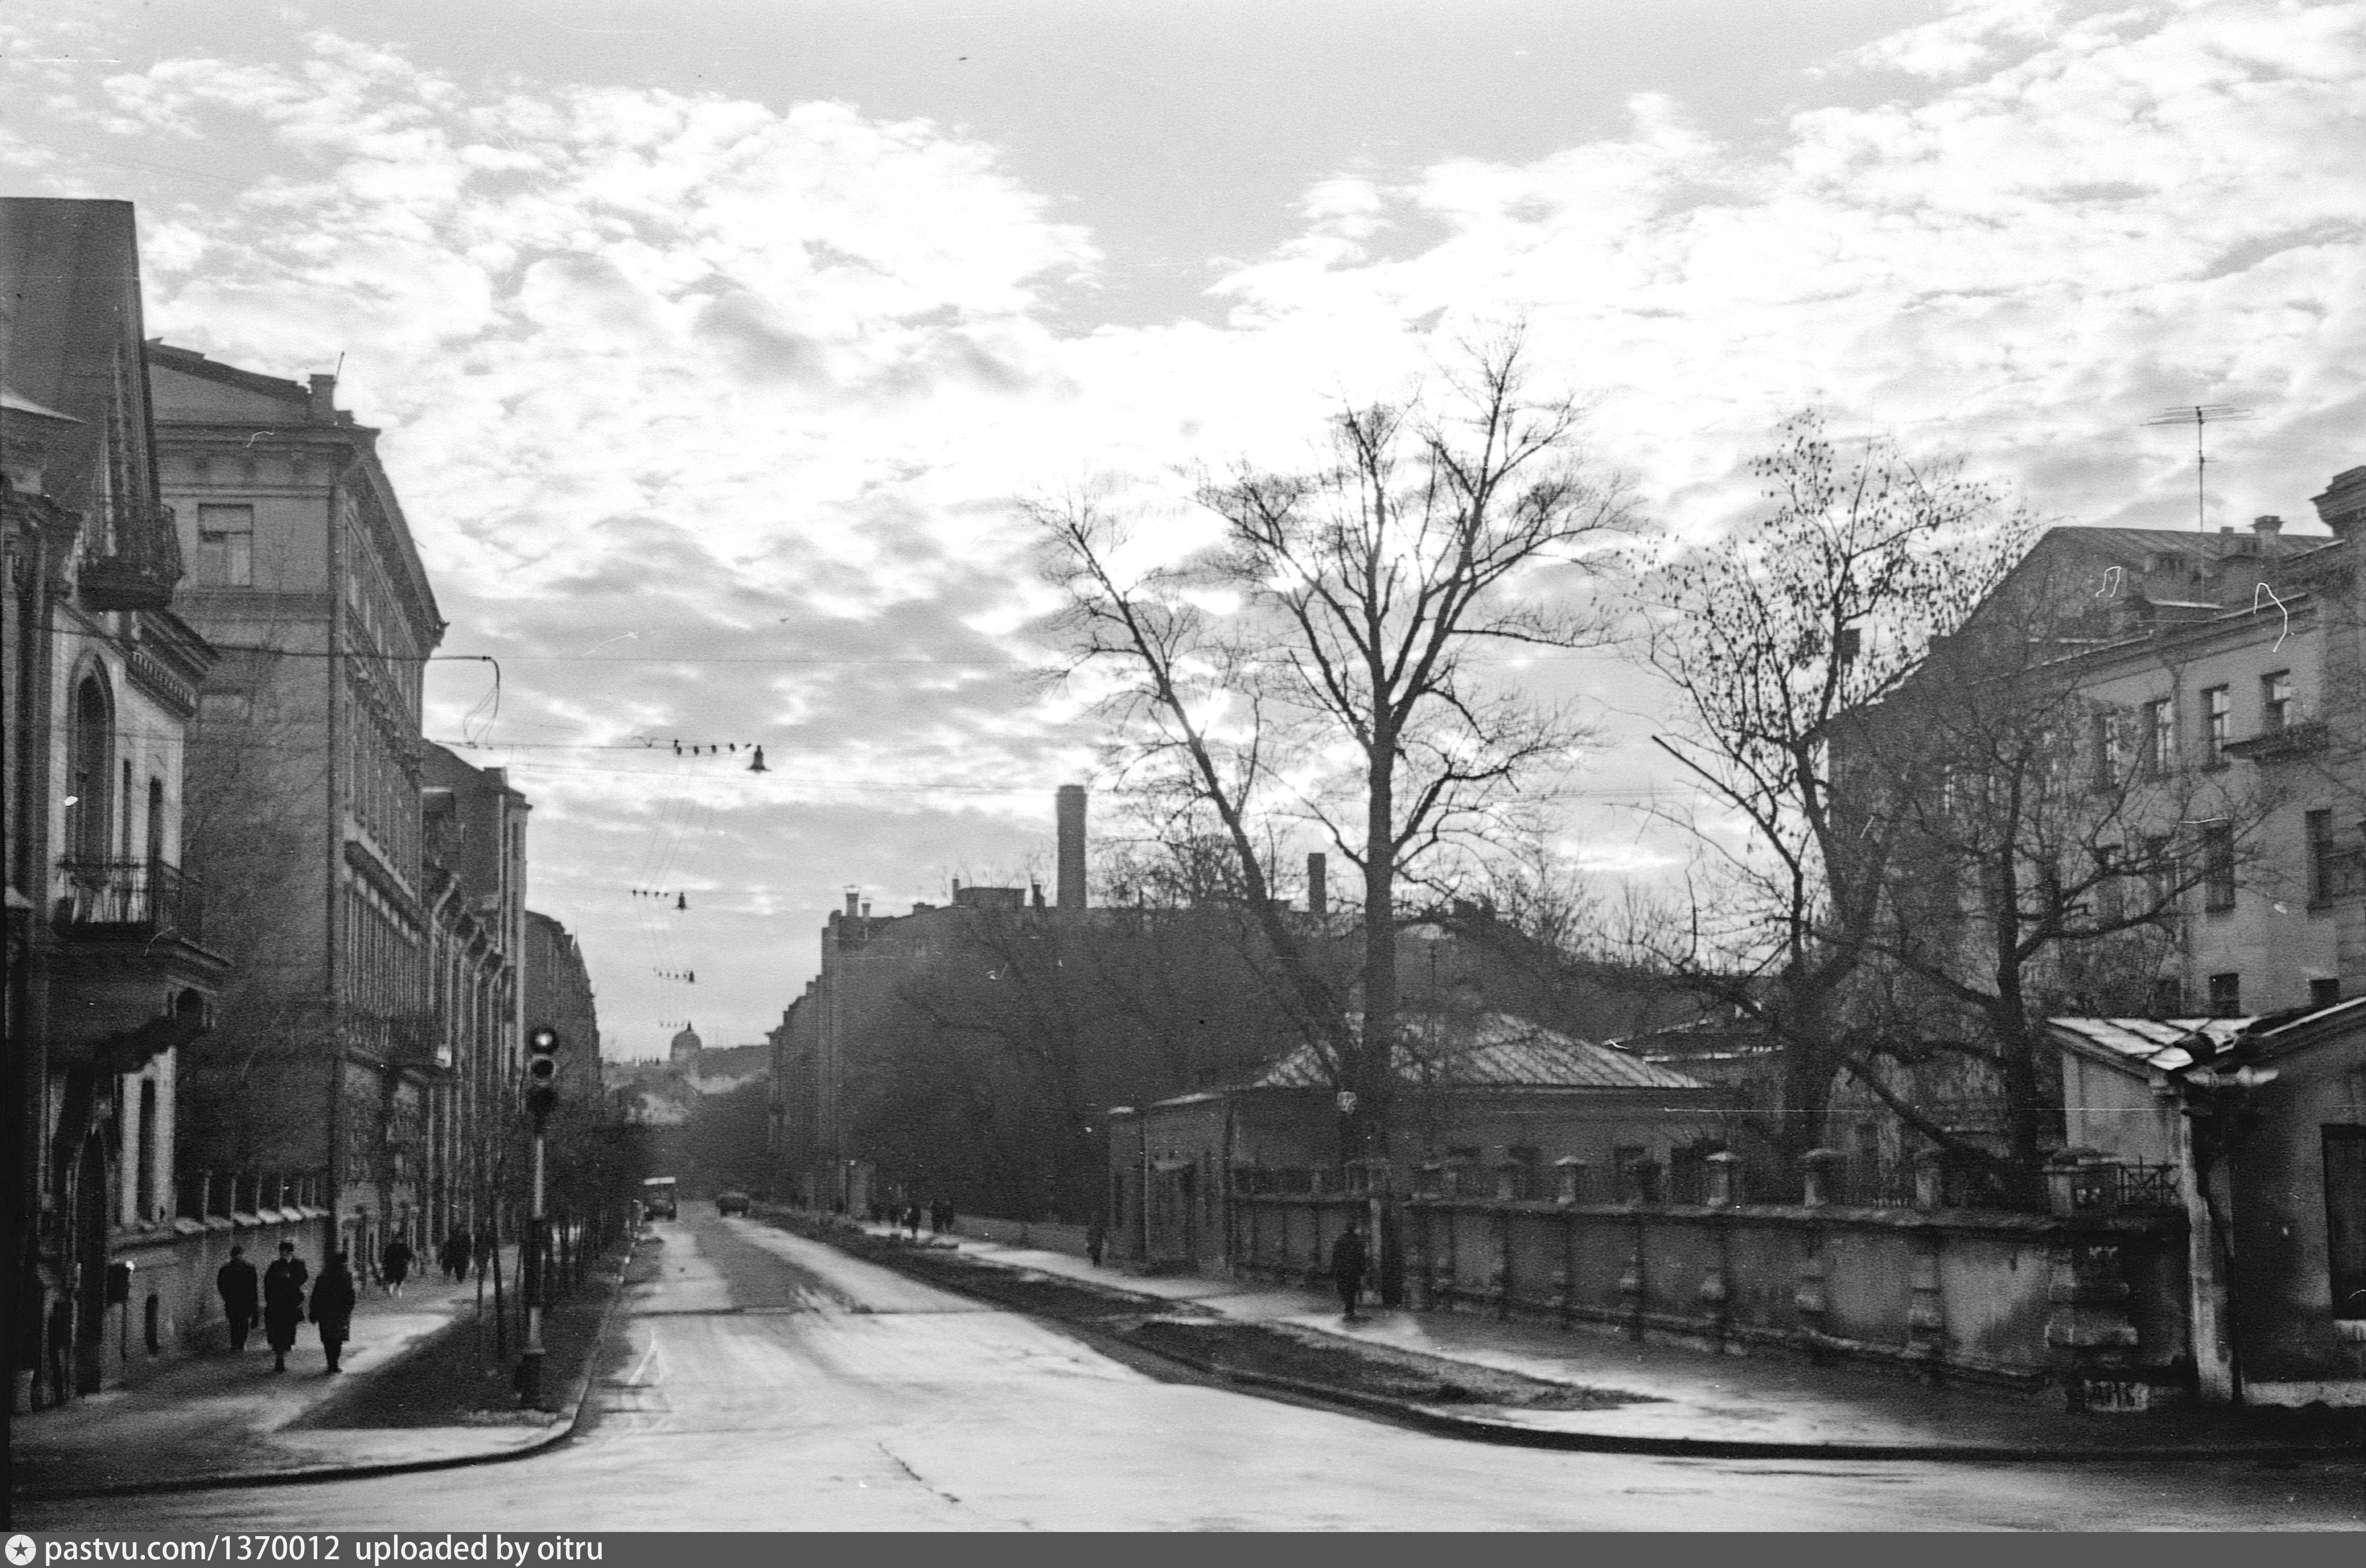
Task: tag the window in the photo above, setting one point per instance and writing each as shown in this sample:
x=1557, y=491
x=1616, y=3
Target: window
x=2111, y=896
x=144, y=1201
x=2217, y=708
x=2167, y=996
x=2226, y=996
x=226, y=547
x=87, y=773
x=2324, y=993
x=2275, y=702
x=2160, y=736
x=2321, y=868
x=2111, y=749
x=2218, y=865
x=2160, y=875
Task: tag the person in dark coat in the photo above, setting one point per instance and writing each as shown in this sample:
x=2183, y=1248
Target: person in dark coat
x=1348, y=1259
x=394, y=1264
x=457, y=1253
x=332, y=1308
x=1095, y=1240
x=240, y=1295
x=283, y=1303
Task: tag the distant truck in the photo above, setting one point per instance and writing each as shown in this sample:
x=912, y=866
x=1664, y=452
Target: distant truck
x=656, y=1198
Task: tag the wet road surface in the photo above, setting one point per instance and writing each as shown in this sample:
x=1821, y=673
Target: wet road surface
x=763, y=1381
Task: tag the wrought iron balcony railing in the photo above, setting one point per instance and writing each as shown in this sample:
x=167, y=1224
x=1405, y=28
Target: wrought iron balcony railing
x=139, y=894
x=130, y=558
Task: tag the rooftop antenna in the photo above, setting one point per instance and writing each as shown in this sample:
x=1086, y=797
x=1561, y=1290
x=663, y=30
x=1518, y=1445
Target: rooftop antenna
x=2200, y=416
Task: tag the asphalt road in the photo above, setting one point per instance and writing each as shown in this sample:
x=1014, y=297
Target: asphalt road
x=763, y=1381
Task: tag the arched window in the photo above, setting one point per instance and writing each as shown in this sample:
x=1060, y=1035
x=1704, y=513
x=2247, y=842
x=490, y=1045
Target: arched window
x=90, y=784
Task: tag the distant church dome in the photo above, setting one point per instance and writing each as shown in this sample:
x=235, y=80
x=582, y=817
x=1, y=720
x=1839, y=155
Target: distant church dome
x=686, y=1045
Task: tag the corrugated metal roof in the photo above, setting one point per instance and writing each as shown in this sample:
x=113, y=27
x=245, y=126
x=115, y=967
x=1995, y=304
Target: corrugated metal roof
x=1498, y=1051
x=2154, y=1042
x=2161, y=1042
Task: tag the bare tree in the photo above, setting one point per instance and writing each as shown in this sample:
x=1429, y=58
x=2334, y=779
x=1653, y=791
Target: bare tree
x=1822, y=606
x=2042, y=856
x=1365, y=588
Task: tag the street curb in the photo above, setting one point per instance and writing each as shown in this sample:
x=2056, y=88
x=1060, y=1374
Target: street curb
x=1567, y=1440
x=299, y=1475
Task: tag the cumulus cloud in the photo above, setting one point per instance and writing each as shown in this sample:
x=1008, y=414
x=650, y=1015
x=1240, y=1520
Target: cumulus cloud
x=708, y=412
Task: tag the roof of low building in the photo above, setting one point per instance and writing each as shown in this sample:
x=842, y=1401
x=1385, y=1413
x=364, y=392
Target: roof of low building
x=1496, y=1050
x=2160, y=1043
x=2167, y=1043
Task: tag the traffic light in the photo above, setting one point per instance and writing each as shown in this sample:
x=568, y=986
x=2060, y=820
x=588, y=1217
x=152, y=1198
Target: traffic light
x=541, y=1069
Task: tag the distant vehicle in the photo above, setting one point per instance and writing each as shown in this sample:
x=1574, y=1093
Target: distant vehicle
x=656, y=1198
x=731, y=1203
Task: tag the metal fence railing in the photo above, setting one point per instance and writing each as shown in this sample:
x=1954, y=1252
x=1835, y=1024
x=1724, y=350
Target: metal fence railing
x=145, y=894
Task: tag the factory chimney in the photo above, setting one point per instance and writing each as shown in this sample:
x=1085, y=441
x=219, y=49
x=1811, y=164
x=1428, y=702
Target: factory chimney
x=1318, y=891
x=1071, y=883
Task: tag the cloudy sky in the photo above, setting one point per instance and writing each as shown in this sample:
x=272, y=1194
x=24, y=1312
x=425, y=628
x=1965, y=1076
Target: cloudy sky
x=713, y=341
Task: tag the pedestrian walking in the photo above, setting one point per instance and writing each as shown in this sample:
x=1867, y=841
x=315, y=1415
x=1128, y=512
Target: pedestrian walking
x=240, y=1295
x=456, y=1256
x=394, y=1264
x=283, y=1303
x=936, y=1216
x=332, y=1308
x=1348, y=1259
x=912, y=1220
x=1096, y=1239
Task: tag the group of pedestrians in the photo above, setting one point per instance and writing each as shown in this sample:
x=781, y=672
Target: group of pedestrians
x=939, y=1216
x=278, y=1299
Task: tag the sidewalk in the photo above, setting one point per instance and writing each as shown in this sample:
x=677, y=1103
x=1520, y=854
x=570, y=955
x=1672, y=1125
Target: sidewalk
x=224, y=1417
x=1694, y=1400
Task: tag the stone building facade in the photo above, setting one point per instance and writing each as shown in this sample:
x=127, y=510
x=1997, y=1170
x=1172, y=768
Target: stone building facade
x=112, y=974
x=306, y=776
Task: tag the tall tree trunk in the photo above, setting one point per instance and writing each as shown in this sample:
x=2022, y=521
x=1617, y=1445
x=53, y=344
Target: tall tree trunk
x=2024, y=1116
x=1376, y=1078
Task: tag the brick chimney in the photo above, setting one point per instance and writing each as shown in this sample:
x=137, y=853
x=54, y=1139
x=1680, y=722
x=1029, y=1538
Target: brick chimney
x=2267, y=527
x=1318, y=890
x=1070, y=884
x=322, y=408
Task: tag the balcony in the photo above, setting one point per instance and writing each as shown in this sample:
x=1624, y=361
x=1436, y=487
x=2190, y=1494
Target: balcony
x=132, y=559
x=126, y=935
x=146, y=898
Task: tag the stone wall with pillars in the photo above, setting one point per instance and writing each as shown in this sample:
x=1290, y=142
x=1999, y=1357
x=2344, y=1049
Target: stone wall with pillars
x=2089, y=1304
x=172, y=1308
